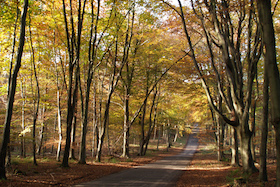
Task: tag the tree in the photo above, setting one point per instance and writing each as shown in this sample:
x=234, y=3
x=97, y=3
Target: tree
x=37, y=101
x=221, y=31
x=93, y=46
x=266, y=21
x=11, y=93
x=117, y=67
x=264, y=129
x=73, y=46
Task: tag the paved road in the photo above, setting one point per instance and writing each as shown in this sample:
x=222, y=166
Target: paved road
x=162, y=173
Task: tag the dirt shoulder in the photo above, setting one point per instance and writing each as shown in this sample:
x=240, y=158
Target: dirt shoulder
x=205, y=170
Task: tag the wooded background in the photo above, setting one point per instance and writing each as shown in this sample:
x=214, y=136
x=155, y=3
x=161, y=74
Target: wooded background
x=99, y=77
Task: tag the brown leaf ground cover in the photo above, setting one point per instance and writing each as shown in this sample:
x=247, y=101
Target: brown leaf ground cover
x=203, y=171
x=49, y=172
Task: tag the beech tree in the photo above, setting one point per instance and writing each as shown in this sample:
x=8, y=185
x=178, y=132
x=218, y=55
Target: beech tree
x=93, y=47
x=73, y=47
x=226, y=32
x=266, y=21
x=11, y=93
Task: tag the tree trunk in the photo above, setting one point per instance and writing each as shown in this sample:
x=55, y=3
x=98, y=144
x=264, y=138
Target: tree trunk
x=73, y=137
x=220, y=142
x=264, y=129
x=245, y=150
x=37, y=101
x=42, y=131
x=108, y=136
x=220, y=131
x=23, y=152
x=73, y=47
x=234, y=148
x=159, y=134
x=59, y=129
x=168, y=143
x=177, y=134
x=71, y=105
x=105, y=121
x=265, y=17
x=126, y=125
x=95, y=121
x=152, y=122
x=142, y=136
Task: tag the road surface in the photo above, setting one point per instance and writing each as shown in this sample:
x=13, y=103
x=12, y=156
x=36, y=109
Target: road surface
x=162, y=173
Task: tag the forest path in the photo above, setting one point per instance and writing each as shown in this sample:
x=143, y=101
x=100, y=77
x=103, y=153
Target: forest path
x=161, y=173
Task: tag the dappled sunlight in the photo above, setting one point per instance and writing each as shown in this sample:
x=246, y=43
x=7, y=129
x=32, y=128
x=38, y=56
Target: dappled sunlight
x=210, y=169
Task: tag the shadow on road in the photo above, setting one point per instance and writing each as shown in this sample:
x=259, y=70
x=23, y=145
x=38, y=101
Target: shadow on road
x=163, y=172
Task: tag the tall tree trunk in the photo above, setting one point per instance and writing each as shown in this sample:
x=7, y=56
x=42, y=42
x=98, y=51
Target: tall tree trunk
x=71, y=106
x=23, y=152
x=95, y=121
x=221, y=131
x=11, y=95
x=59, y=126
x=142, y=136
x=42, y=130
x=153, y=114
x=113, y=83
x=58, y=153
x=37, y=101
x=265, y=16
x=103, y=128
x=115, y=77
x=74, y=47
x=59, y=129
x=108, y=137
x=264, y=129
x=126, y=126
x=159, y=135
x=168, y=143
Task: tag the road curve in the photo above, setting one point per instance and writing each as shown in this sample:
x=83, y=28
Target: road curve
x=162, y=173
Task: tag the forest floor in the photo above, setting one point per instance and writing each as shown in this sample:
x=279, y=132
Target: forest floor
x=203, y=171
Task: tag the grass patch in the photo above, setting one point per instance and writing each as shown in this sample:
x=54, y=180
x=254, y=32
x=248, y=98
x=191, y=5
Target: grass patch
x=237, y=174
x=129, y=160
x=17, y=160
x=112, y=160
x=208, y=149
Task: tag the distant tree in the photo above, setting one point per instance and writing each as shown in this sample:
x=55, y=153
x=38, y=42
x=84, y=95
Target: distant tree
x=36, y=99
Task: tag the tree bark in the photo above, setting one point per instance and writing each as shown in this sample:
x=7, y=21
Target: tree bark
x=23, y=151
x=73, y=137
x=239, y=101
x=11, y=95
x=234, y=148
x=42, y=130
x=37, y=101
x=265, y=17
x=220, y=131
x=264, y=129
x=74, y=47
